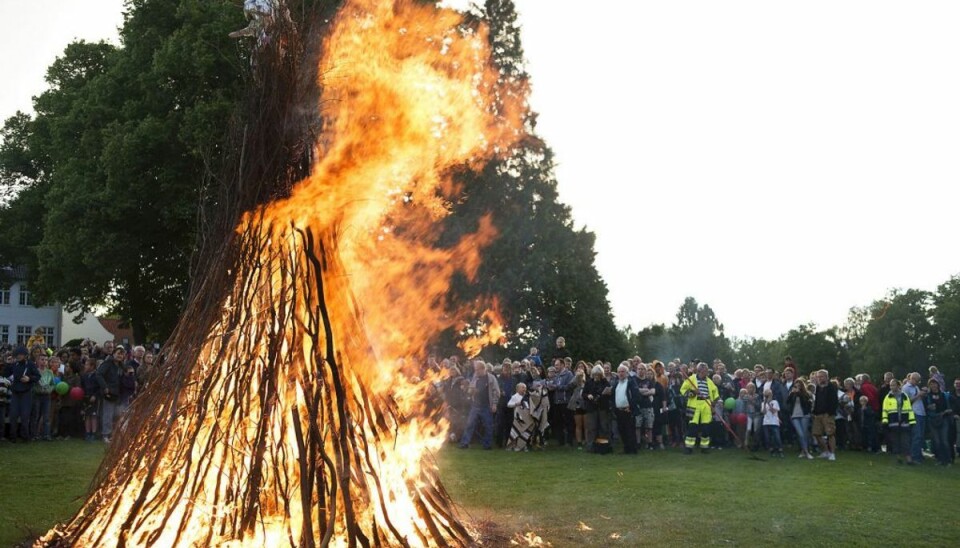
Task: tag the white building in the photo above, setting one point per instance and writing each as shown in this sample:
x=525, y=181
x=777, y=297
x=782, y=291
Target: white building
x=19, y=318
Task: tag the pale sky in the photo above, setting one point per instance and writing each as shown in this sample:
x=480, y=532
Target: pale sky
x=779, y=161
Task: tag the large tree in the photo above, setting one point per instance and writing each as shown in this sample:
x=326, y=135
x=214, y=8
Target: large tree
x=110, y=169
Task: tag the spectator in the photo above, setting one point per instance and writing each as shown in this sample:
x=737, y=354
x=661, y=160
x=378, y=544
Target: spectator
x=91, y=398
x=626, y=403
x=108, y=378
x=913, y=391
x=659, y=410
x=559, y=387
x=38, y=339
x=506, y=416
x=596, y=403
x=825, y=406
x=523, y=425
x=936, y=375
x=484, y=393
x=128, y=387
x=899, y=420
x=771, y=423
x=575, y=405
x=868, y=425
x=146, y=370
x=539, y=410
x=644, y=421
x=870, y=391
x=69, y=411
x=23, y=376
x=676, y=408
x=701, y=392
x=561, y=351
x=42, y=390
x=799, y=406
x=534, y=357
x=850, y=410
x=937, y=410
x=954, y=417
x=4, y=403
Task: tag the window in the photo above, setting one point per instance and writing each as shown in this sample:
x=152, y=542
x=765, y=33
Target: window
x=48, y=335
x=4, y=334
x=23, y=334
x=25, y=299
x=5, y=296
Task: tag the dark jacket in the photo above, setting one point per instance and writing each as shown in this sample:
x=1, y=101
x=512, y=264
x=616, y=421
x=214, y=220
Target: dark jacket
x=806, y=403
x=633, y=394
x=826, y=400
x=108, y=377
x=18, y=370
x=936, y=405
x=91, y=388
x=508, y=387
x=593, y=387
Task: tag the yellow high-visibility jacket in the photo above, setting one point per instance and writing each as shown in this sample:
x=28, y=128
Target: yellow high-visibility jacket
x=700, y=407
x=898, y=417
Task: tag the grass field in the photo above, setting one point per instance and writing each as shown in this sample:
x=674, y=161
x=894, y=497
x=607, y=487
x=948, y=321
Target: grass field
x=569, y=498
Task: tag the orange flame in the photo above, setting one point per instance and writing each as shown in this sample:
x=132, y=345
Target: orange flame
x=408, y=95
x=489, y=330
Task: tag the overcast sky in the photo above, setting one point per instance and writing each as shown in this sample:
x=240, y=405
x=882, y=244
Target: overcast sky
x=779, y=161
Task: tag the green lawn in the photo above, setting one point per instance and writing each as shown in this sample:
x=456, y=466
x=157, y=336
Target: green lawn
x=42, y=483
x=570, y=498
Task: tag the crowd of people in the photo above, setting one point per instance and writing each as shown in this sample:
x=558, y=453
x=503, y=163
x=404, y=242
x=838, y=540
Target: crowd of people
x=71, y=392
x=528, y=404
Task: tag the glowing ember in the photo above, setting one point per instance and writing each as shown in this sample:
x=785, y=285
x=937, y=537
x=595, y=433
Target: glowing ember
x=286, y=421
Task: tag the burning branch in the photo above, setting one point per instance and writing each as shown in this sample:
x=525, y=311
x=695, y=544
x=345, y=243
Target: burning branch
x=276, y=417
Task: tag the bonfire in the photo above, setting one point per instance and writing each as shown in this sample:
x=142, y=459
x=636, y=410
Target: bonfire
x=278, y=415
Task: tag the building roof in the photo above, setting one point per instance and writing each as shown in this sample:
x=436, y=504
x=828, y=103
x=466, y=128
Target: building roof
x=14, y=274
x=118, y=329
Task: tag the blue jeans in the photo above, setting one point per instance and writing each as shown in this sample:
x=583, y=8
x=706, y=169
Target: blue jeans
x=772, y=434
x=802, y=426
x=479, y=414
x=21, y=404
x=938, y=438
x=916, y=444
x=40, y=419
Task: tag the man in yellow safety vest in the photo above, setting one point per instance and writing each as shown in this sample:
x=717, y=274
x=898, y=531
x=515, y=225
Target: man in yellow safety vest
x=701, y=392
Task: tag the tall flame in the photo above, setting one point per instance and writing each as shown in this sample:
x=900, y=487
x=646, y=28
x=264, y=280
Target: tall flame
x=329, y=442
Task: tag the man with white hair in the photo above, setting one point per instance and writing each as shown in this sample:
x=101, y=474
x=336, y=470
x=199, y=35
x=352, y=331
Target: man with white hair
x=626, y=407
x=916, y=393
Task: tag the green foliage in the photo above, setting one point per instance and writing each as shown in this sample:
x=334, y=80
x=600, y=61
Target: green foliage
x=697, y=335
x=946, y=321
x=107, y=175
x=899, y=337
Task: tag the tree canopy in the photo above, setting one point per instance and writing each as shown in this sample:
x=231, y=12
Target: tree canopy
x=103, y=181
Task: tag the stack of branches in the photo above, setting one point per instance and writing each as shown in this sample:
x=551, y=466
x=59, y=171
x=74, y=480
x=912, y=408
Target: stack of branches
x=255, y=426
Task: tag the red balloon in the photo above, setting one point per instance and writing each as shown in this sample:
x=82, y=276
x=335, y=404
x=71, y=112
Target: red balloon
x=739, y=418
x=76, y=393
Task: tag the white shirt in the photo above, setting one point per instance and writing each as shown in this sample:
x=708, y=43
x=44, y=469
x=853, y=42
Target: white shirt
x=621, y=400
x=771, y=410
